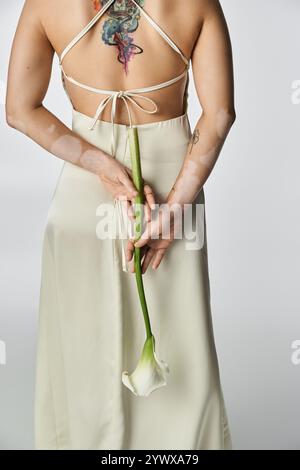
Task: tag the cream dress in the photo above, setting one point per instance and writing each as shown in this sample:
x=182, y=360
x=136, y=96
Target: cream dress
x=91, y=327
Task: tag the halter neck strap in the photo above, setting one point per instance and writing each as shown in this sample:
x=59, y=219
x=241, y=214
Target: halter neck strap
x=85, y=30
x=94, y=20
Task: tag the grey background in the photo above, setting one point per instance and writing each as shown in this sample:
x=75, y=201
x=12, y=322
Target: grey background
x=252, y=207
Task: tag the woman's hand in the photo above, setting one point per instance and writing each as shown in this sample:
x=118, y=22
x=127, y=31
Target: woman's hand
x=117, y=179
x=153, y=253
x=156, y=239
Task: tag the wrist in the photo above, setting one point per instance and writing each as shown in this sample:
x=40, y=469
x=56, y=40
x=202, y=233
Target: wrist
x=94, y=160
x=180, y=196
x=176, y=200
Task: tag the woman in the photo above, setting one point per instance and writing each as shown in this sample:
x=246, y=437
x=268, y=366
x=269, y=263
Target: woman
x=90, y=329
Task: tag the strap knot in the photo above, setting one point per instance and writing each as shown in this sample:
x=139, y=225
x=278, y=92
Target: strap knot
x=126, y=95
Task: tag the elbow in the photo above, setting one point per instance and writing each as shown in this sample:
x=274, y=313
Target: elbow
x=14, y=118
x=227, y=117
x=221, y=120
x=224, y=121
x=15, y=112
x=10, y=119
x=10, y=112
x=232, y=115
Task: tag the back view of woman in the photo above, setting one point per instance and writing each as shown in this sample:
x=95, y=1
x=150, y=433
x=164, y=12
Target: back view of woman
x=125, y=63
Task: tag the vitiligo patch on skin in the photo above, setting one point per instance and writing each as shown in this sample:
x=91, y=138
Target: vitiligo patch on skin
x=90, y=159
x=51, y=129
x=187, y=185
x=67, y=147
x=209, y=159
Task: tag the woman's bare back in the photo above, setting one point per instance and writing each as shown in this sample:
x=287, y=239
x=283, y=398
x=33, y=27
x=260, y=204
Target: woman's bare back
x=101, y=63
x=197, y=27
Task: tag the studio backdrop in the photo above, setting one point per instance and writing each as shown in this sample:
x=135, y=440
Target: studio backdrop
x=253, y=229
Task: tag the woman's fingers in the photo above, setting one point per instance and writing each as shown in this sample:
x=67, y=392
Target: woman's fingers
x=162, y=227
x=148, y=255
x=129, y=208
x=149, y=194
x=155, y=228
x=143, y=240
x=154, y=256
x=152, y=229
x=147, y=259
x=149, y=202
x=147, y=212
x=128, y=191
x=144, y=252
x=150, y=233
x=129, y=186
x=159, y=254
x=129, y=255
x=129, y=250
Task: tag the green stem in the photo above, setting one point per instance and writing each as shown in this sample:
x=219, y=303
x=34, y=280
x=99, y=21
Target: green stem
x=138, y=224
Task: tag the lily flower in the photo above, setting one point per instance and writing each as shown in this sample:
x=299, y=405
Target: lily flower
x=150, y=373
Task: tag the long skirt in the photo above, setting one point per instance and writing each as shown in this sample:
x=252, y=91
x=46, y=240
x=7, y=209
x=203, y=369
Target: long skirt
x=91, y=327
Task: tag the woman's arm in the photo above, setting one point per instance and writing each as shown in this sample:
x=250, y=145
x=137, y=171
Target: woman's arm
x=213, y=75
x=28, y=80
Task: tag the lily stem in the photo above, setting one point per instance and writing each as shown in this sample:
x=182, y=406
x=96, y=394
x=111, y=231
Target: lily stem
x=138, y=223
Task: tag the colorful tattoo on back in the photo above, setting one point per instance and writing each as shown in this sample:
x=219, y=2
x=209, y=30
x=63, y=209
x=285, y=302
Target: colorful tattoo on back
x=123, y=20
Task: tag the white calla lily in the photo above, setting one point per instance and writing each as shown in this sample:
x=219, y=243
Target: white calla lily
x=150, y=373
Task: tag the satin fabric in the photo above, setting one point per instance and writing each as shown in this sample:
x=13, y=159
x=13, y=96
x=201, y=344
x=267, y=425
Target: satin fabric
x=91, y=327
